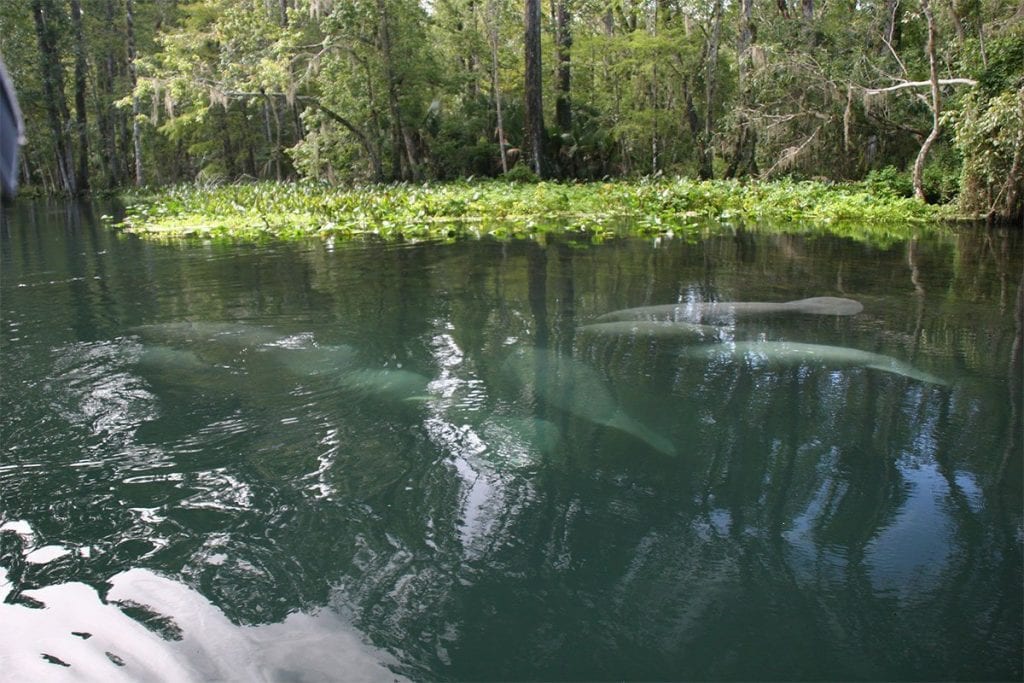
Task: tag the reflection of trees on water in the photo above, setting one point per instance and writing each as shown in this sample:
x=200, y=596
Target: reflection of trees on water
x=774, y=545
x=814, y=481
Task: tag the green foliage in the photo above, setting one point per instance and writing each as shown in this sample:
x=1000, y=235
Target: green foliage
x=504, y=209
x=942, y=176
x=989, y=126
x=521, y=173
x=998, y=65
x=990, y=135
x=889, y=182
x=941, y=179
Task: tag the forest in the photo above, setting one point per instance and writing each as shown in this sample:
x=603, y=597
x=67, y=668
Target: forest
x=922, y=97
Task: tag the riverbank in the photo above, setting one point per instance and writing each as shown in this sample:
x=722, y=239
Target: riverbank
x=507, y=209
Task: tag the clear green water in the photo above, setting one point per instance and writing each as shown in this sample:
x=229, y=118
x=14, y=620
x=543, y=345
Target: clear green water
x=318, y=459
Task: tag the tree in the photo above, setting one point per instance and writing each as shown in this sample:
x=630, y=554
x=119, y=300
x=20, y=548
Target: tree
x=493, y=37
x=563, y=57
x=133, y=71
x=48, y=18
x=533, y=88
x=936, y=101
x=81, y=117
x=988, y=121
x=705, y=170
x=744, y=158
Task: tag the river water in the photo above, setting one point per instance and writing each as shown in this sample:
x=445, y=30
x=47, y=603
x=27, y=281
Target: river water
x=369, y=462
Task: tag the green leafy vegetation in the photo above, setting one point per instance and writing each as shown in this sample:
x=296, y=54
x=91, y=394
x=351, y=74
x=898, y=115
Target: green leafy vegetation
x=505, y=209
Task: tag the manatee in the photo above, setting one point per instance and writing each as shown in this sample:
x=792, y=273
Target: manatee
x=725, y=311
x=767, y=352
x=578, y=389
x=183, y=368
x=651, y=328
x=385, y=382
x=519, y=441
x=235, y=334
x=169, y=358
x=315, y=360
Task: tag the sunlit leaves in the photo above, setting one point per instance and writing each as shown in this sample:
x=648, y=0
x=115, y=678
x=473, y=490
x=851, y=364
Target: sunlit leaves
x=652, y=206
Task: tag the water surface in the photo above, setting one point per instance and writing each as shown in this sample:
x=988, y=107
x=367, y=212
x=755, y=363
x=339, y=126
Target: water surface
x=416, y=461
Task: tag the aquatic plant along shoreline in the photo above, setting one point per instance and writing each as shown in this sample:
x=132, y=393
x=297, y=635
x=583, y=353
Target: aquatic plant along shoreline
x=507, y=209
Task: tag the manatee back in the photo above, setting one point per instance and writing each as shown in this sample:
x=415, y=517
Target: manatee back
x=828, y=305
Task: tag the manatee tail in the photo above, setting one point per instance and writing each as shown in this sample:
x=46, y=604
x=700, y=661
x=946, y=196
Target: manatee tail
x=626, y=424
x=905, y=370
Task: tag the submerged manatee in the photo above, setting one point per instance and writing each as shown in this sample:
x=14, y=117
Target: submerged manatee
x=315, y=361
x=184, y=368
x=337, y=365
x=235, y=334
x=386, y=383
x=651, y=328
x=726, y=310
x=169, y=358
x=578, y=389
x=797, y=353
x=514, y=442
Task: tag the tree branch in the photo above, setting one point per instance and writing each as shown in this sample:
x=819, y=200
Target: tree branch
x=920, y=84
x=331, y=114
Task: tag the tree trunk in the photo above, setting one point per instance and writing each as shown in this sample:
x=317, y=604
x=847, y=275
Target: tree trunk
x=744, y=155
x=226, y=143
x=936, y=103
x=706, y=169
x=52, y=74
x=278, y=148
x=81, y=120
x=891, y=28
x=372, y=140
x=400, y=140
x=534, y=103
x=136, y=125
x=105, y=112
x=693, y=120
x=492, y=39
x=563, y=45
